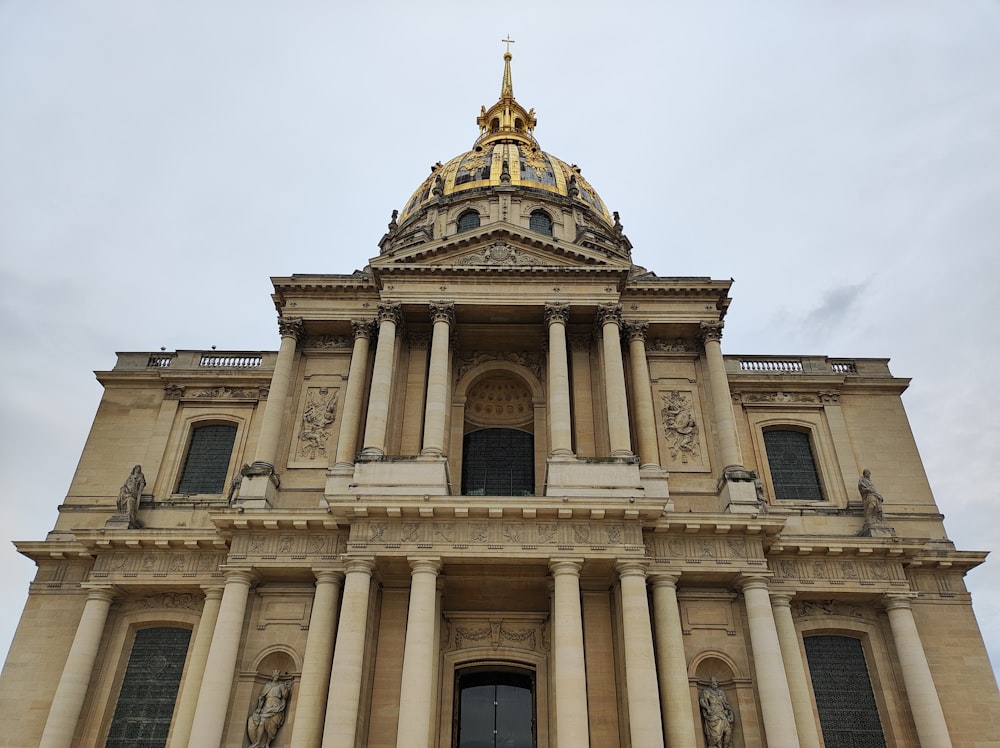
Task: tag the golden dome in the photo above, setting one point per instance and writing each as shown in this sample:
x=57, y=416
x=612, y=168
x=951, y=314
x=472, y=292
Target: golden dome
x=506, y=154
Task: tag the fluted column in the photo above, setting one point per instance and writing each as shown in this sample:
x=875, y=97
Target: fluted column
x=217, y=683
x=416, y=693
x=307, y=730
x=378, y=398
x=274, y=410
x=642, y=396
x=195, y=668
x=795, y=671
x=344, y=696
x=645, y=725
x=572, y=727
x=443, y=315
x=347, y=444
x=71, y=691
x=609, y=317
x=920, y=691
x=560, y=423
x=710, y=334
x=772, y=687
x=675, y=693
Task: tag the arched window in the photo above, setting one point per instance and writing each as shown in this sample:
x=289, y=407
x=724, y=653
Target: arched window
x=793, y=467
x=146, y=702
x=498, y=462
x=541, y=222
x=495, y=124
x=495, y=708
x=208, y=456
x=468, y=220
x=848, y=714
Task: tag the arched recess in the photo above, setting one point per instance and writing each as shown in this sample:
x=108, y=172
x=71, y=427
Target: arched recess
x=500, y=395
x=736, y=685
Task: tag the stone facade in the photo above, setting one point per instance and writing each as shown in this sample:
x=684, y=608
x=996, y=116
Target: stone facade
x=501, y=450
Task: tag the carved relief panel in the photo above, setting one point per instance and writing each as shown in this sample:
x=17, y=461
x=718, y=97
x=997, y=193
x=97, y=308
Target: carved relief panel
x=681, y=427
x=314, y=439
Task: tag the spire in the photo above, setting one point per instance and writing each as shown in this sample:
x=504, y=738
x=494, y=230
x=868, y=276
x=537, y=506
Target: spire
x=506, y=120
x=507, y=87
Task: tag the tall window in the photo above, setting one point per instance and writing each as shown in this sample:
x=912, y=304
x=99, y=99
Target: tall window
x=793, y=468
x=495, y=709
x=498, y=462
x=149, y=690
x=541, y=222
x=468, y=220
x=208, y=457
x=848, y=714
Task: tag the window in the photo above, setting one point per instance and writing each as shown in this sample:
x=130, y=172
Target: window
x=541, y=222
x=146, y=702
x=848, y=714
x=498, y=462
x=494, y=708
x=793, y=468
x=208, y=457
x=468, y=220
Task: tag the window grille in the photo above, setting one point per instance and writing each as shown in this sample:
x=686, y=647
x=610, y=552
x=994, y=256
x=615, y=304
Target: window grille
x=498, y=462
x=848, y=714
x=146, y=702
x=208, y=459
x=468, y=220
x=541, y=222
x=793, y=468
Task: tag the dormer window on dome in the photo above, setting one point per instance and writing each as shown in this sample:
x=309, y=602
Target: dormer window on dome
x=468, y=220
x=541, y=222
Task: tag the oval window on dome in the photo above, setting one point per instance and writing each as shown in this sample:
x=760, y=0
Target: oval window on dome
x=468, y=220
x=541, y=222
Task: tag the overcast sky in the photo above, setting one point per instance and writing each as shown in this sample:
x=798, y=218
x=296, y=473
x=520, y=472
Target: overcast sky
x=160, y=160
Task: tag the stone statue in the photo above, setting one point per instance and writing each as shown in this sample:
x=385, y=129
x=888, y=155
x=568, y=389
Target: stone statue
x=717, y=717
x=130, y=493
x=872, y=499
x=263, y=723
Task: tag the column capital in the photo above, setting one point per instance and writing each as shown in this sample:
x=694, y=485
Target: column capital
x=362, y=328
x=418, y=341
x=580, y=341
x=781, y=598
x=389, y=311
x=328, y=576
x=105, y=592
x=291, y=327
x=710, y=331
x=425, y=564
x=556, y=312
x=442, y=310
x=609, y=314
x=664, y=579
x=560, y=566
x=365, y=565
x=897, y=600
x=636, y=331
x=752, y=582
x=213, y=591
x=631, y=568
x=240, y=576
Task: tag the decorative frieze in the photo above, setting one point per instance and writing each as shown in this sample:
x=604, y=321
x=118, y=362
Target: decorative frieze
x=780, y=398
x=696, y=549
x=529, y=360
x=838, y=571
x=466, y=631
x=499, y=253
x=126, y=564
x=807, y=608
x=291, y=546
x=662, y=345
x=328, y=342
x=168, y=600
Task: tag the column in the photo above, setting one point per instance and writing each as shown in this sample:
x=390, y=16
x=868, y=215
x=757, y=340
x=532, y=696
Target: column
x=217, y=683
x=722, y=400
x=645, y=724
x=307, y=730
x=274, y=410
x=560, y=424
x=642, y=396
x=344, y=696
x=67, y=703
x=378, y=398
x=772, y=688
x=443, y=316
x=181, y=731
x=920, y=691
x=609, y=317
x=416, y=694
x=347, y=445
x=572, y=727
x=675, y=692
x=795, y=672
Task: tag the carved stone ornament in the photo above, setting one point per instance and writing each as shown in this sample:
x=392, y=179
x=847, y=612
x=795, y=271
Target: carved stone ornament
x=529, y=361
x=710, y=331
x=499, y=253
x=775, y=397
x=269, y=714
x=173, y=391
x=317, y=418
x=291, y=327
x=668, y=346
x=227, y=393
x=609, y=314
x=390, y=311
x=556, y=312
x=418, y=341
x=362, y=328
x=184, y=600
x=636, y=330
x=443, y=311
x=803, y=608
x=679, y=426
x=327, y=342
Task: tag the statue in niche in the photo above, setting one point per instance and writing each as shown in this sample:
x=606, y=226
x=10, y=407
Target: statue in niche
x=874, y=517
x=717, y=717
x=129, y=495
x=264, y=721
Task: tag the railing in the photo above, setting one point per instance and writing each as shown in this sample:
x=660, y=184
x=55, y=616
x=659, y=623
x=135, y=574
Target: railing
x=229, y=362
x=844, y=367
x=159, y=361
x=792, y=366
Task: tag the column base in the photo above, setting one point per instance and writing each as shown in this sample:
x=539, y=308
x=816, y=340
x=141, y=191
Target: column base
x=400, y=476
x=259, y=486
x=580, y=477
x=877, y=531
x=122, y=522
x=740, y=492
x=653, y=480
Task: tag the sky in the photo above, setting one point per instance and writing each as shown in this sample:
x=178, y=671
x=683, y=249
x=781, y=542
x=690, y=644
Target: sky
x=159, y=161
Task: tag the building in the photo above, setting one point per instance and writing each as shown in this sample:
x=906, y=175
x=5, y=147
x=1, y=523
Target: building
x=502, y=487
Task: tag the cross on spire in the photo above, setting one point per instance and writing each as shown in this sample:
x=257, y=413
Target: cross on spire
x=508, y=41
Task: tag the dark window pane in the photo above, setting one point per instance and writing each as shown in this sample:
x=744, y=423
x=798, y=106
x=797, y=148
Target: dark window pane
x=793, y=469
x=498, y=462
x=468, y=220
x=540, y=222
x=496, y=710
x=848, y=714
x=149, y=689
x=208, y=459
